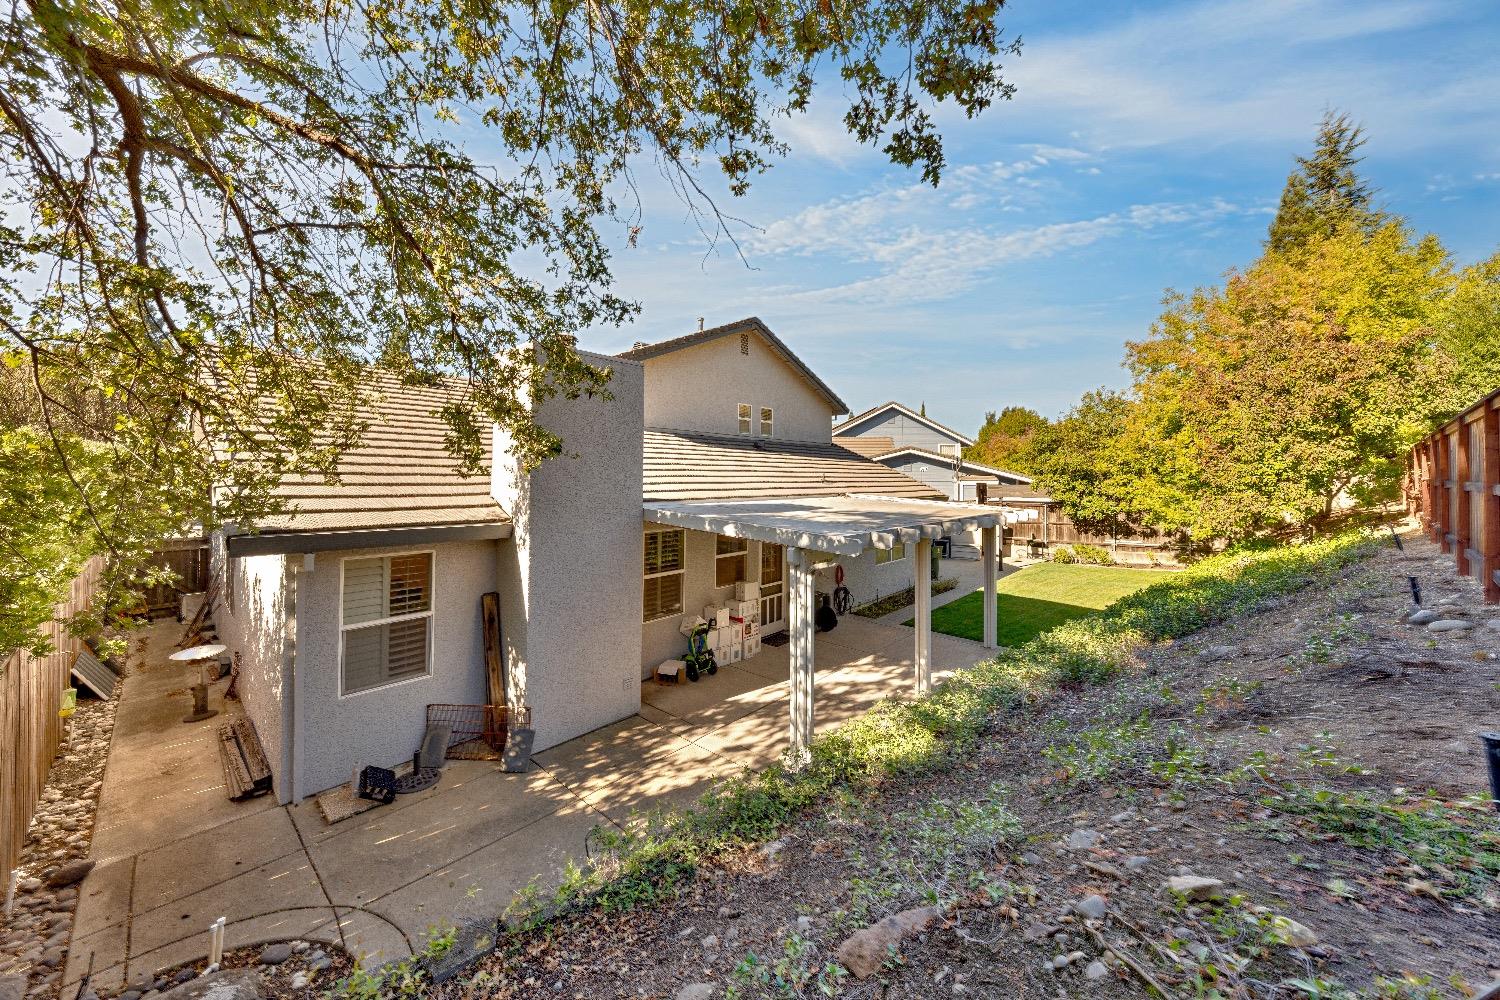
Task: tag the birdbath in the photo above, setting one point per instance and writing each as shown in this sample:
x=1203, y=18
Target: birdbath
x=199, y=655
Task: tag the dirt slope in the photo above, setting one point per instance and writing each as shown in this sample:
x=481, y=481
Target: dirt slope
x=1315, y=759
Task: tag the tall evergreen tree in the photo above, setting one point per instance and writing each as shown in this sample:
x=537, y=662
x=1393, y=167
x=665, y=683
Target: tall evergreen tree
x=1325, y=193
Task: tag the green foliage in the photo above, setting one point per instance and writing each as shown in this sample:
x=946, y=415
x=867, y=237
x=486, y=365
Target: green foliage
x=1089, y=555
x=1007, y=440
x=228, y=224
x=1455, y=844
x=1133, y=751
x=648, y=861
x=790, y=976
x=1467, y=324
x=1325, y=194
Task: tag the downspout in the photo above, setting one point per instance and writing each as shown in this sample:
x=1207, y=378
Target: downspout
x=291, y=757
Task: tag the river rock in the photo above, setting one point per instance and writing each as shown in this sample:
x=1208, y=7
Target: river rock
x=696, y=991
x=276, y=953
x=1422, y=616
x=1091, y=907
x=1450, y=625
x=1083, y=840
x=68, y=874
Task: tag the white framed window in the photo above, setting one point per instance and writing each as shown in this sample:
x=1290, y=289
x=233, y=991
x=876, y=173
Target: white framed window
x=894, y=554
x=767, y=421
x=731, y=560
x=385, y=620
x=948, y=449
x=744, y=418
x=661, y=591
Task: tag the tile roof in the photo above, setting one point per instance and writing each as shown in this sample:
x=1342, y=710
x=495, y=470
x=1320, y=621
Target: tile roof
x=691, y=466
x=751, y=324
x=893, y=405
x=869, y=447
x=400, y=475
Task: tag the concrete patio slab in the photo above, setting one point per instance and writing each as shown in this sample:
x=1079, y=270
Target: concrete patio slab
x=176, y=854
x=369, y=937
x=383, y=851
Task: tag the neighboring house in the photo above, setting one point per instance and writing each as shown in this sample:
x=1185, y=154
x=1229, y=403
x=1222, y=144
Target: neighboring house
x=928, y=451
x=710, y=463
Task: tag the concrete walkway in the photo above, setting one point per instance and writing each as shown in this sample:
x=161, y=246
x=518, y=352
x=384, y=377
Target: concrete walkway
x=174, y=854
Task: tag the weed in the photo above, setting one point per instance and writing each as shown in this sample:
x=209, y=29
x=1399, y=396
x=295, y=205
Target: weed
x=788, y=977
x=1454, y=846
x=1130, y=750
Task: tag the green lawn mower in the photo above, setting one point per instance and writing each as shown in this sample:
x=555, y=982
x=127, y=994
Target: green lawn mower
x=700, y=659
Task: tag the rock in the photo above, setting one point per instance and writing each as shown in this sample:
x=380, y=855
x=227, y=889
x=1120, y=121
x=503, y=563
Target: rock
x=804, y=924
x=1216, y=652
x=1422, y=616
x=710, y=943
x=183, y=975
x=129, y=995
x=1059, y=962
x=1040, y=932
x=696, y=991
x=1083, y=840
x=865, y=951
x=1136, y=862
x=728, y=913
x=1195, y=887
x=319, y=964
x=29, y=884
x=775, y=847
x=12, y=987
x=1031, y=858
x=1450, y=625
x=275, y=954
x=1292, y=933
x=230, y=984
x=68, y=874
x=1091, y=907
x=1096, y=970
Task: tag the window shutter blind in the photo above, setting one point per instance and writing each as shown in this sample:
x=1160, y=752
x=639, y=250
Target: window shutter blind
x=364, y=591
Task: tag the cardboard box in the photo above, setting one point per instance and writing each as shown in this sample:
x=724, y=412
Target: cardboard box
x=747, y=591
x=748, y=609
x=733, y=653
x=724, y=636
x=720, y=618
x=750, y=630
x=750, y=648
x=670, y=671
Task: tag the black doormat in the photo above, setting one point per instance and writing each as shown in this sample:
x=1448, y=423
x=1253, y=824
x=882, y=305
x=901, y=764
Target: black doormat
x=775, y=639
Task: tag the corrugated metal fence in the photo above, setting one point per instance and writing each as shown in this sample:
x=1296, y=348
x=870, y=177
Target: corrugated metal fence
x=30, y=729
x=1453, y=485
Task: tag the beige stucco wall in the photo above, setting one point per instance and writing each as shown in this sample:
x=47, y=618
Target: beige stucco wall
x=384, y=725
x=250, y=617
x=700, y=388
x=570, y=575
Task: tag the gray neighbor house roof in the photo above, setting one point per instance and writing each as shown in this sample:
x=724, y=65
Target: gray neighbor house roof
x=842, y=429
x=751, y=324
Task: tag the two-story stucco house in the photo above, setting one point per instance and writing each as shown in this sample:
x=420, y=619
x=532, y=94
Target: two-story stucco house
x=712, y=464
x=917, y=446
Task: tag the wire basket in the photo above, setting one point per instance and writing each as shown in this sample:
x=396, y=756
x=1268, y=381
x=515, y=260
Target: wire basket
x=478, y=732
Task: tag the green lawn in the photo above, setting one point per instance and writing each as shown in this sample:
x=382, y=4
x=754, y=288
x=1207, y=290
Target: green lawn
x=1039, y=597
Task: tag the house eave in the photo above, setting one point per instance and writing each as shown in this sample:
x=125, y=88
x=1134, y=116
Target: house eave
x=288, y=542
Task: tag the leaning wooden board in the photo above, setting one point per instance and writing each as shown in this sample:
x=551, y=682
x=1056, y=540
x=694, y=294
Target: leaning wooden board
x=493, y=657
x=247, y=773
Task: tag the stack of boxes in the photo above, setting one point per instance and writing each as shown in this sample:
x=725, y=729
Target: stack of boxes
x=734, y=627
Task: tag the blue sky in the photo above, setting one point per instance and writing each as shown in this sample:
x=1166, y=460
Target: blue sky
x=1145, y=149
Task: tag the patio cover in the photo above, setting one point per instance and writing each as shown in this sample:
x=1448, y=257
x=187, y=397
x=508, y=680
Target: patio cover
x=846, y=524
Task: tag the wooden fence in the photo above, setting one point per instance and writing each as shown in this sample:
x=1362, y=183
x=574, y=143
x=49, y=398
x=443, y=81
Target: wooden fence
x=1453, y=485
x=30, y=729
x=1053, y=529
x=187, y=558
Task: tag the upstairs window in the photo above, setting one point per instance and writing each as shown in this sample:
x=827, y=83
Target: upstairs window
x=731, y=560
x=767, y=421
x=661, y=593
x=744, y=418
x=386, y=620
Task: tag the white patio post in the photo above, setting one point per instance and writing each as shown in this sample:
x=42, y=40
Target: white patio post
x=923, y=583
x=990, y=553
x=799, y=571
